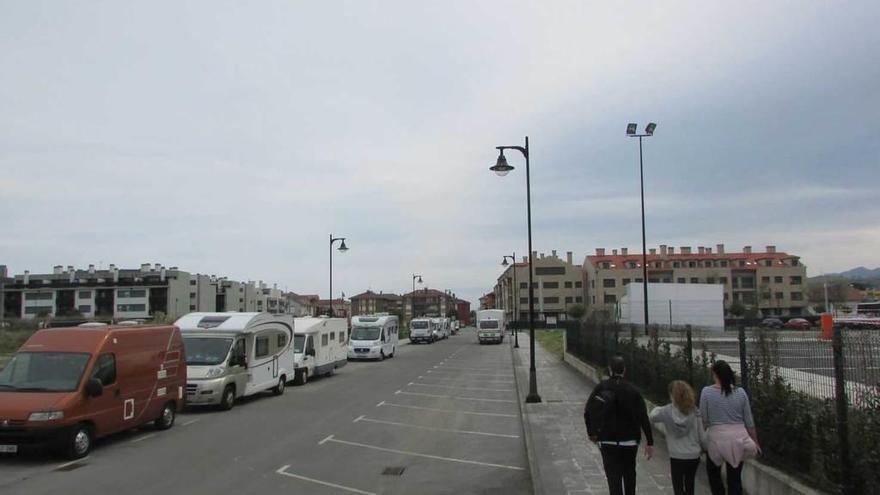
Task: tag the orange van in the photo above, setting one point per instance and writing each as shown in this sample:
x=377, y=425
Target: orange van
x=66, y=387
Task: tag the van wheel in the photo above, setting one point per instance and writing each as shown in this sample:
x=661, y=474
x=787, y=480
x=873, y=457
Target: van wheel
x=381, y=355
x=228, y=400
x=301, y=378
x=279, y=389
x=166, y=419
x=78, y=442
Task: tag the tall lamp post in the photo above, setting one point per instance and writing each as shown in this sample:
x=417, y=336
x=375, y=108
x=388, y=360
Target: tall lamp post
x=412, y=297
x=502, y=168
x=631, y=131
x=515, y=297
x=342, y=248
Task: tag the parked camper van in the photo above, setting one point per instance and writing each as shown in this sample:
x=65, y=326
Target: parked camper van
x=67, y=386
x=440, y=330
x=373, y=336
x=490, y=325
x=320, y=346
x=234, y=355
x=421, y=330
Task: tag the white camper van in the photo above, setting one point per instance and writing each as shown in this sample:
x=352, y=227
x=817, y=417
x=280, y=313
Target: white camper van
x=421, y=330
x=233, y=355
x=491, y=325
x=319, y=346
x=373, y=336
x=440, y=330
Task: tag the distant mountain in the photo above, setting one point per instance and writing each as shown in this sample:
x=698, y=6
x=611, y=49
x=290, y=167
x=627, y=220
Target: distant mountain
x=860, y=273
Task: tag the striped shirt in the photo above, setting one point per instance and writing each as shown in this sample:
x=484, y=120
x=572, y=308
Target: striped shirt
x=719, y=409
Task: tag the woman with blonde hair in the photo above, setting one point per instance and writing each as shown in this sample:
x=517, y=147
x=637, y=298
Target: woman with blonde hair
x=684, y=435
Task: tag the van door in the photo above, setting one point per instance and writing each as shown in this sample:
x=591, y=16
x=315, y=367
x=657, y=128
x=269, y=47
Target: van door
x=261, y=370
x=108, y=410
x=309, y=355
x=239, y=373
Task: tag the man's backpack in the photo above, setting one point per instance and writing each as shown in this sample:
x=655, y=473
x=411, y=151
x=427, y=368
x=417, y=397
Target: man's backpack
x=600, y=410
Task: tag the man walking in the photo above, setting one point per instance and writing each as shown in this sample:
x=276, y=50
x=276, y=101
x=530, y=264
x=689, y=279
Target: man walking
x=616, y=416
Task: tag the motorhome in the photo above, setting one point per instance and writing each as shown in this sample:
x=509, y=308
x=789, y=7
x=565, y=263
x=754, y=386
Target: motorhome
x=373, y=336
x=319, y=346
x=421, y=330
x=440, y=330
x=65, y=387
x=456, y=327
x=491, y=325
x=234, y=355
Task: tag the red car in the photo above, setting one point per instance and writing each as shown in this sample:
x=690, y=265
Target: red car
x=797, y=324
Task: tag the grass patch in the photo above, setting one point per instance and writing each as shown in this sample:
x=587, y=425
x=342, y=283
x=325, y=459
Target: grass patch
x=13, y=335
x=551, y=341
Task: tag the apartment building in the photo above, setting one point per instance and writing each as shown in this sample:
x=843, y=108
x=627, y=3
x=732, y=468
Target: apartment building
x=770, y=281
x=427, y=302
x=302, y=305
x=558, y=284
x=341, y=307
x=370, y=302
x=487, y=301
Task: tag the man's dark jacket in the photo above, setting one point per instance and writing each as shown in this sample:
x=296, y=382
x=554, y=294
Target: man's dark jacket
x=628, y=416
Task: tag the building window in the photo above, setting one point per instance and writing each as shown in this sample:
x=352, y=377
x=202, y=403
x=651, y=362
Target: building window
x=658, y=265
x=551, y=285
x=638, y=280
x=123, y=308
x=524, y=300
x=85, y=294
x=610, y=299
x=723, y=264
x=85, y=308
x=710, y=280
x=132, y=293
x=768, y=262
x=609, y=282
x=695, y=280
x=742, y=263
x=569, y=300
x=765, y=280
x=626, y=281
x=777, y=280
x=578, y=299
x=631, y=264
x=676, y=264
x=667, y=280
x=797, y=296
x=681, y=280
x=593, y=283
x=796, y=280
x=709, y=264
x=550, y=270
x=692, y=264
x=192, y=307
x=192, y=282
x=578, y=285
x=779, y=295
x=654, y=280
x=722, y=280
x=551, y=300
x=794, y=262
x=35, y=310
x=38, y=296
x=523, y=285
x=568, y=285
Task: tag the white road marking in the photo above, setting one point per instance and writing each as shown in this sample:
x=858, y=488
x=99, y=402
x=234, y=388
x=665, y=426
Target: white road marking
x=139, y=439
x=380, y=404
x=429, y=456
x=462, y=388
x=451, y=411
x=494, y=375
x=283, y=472
x=358, y=418
x=433, y=428
x=467, y=369
x=71, y=463
x=468, y=379
x=191, y=422
x=322, y=442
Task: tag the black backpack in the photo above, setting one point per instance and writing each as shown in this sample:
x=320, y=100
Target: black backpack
x=601, y=408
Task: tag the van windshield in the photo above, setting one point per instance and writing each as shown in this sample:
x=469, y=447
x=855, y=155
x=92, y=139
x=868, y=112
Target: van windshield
x=206, y=351
x=489, y=324
x=43, y=372
x=299, y=341
x=365, y=333
x=419, y=324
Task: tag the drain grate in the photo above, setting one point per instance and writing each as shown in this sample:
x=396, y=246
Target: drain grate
x=393, y=471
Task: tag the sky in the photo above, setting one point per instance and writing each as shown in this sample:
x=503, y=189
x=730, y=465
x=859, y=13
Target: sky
x=232, y=138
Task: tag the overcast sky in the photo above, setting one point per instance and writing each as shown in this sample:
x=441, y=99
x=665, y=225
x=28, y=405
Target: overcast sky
x=231, y=138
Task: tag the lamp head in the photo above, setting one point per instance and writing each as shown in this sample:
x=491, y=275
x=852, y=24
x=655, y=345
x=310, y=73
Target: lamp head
x=342, y=247
x=505, y=263
x=649, y=129
x=631, y=129
x=501, y=167
x=420, y=279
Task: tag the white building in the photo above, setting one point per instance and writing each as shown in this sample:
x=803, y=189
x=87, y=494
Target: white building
x=698, y=305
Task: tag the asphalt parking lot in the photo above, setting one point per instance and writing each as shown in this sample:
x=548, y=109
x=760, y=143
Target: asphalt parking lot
x=435, y=419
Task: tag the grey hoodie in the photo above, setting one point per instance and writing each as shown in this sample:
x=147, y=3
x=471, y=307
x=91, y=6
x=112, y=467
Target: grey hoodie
x=684, y=434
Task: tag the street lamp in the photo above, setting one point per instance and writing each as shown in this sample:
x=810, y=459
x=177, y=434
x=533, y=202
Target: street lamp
x=631, y=131
x=515, y=297
x=412, y=297
x=342, y=249
x=502, y=168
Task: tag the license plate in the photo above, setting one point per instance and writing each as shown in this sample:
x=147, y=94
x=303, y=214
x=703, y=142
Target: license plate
x=8, y=449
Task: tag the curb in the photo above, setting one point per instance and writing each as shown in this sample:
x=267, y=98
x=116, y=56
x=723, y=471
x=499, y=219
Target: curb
x=534, y=473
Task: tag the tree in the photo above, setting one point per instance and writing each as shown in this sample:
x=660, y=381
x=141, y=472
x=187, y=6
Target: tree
x=576, y=311
x=737, y=309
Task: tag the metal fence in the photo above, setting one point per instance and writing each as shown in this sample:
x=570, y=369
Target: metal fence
x=816, y=402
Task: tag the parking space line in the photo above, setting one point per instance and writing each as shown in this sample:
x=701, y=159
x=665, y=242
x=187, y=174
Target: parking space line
x=468, y=369
x=454, y=380
x=71, y=463
x=283, y=472
x=401, y=392
x=191, y=422
x=461, y=388
x=495, y=375
x=139, y=439
x=451, y=411
x=428, y=456
x=322, y=442
x=432, y=428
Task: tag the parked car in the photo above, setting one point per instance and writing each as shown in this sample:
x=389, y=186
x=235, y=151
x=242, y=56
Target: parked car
x=771, y=323
x=798, y=324
x=66, y=387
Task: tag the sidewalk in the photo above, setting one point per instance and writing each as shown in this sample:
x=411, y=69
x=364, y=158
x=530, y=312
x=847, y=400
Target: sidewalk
x=562, y=459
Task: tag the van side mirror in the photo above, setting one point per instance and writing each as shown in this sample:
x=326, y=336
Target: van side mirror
x=310, y=352
x=238, y=360
x=94, y=387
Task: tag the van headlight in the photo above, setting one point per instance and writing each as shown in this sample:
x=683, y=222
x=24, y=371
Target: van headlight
x=215, y=372
x=46, y=416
